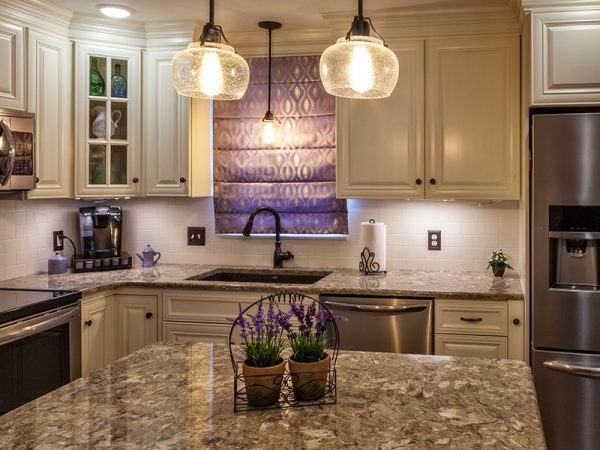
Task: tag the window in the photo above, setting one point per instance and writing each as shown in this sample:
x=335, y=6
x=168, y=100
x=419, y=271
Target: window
x=297, y=178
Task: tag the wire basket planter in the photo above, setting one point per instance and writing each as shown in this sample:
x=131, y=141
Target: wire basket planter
x=289, y=383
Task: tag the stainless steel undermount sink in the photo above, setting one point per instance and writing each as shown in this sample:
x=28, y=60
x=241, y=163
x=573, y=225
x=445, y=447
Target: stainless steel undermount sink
x=276, y=276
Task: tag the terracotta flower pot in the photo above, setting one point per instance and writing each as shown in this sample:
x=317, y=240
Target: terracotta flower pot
x=310, y=379
x=498, y=270
x=263, y=384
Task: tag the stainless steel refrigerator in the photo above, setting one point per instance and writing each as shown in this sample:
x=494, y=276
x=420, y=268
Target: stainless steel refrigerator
x=565, y=271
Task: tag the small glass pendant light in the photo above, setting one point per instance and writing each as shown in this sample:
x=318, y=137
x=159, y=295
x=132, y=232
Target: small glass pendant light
x=359, y=65
x=210, y=69
x=267, y=132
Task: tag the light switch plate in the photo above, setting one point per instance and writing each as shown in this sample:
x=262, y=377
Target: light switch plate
x=434, y=240
x=196, y=236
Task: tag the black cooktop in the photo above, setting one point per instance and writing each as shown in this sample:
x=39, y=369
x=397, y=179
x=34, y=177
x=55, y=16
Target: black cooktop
x=19, y=303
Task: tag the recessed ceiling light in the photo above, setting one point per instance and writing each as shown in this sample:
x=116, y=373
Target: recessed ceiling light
x=115, y=11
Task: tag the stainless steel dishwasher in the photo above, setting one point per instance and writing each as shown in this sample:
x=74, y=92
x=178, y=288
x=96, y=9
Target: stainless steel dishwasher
x=383, y=324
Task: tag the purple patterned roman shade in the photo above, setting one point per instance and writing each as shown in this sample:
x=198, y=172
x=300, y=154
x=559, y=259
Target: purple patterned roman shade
x=296, y=178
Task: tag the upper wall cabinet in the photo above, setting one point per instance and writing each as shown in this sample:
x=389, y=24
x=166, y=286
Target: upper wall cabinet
x=450, y=130
x=51, y=97
x=565, y=57
x=107, y=111
x=12, y=66
x=166, y=118
x=380, y=142
x=472, y=118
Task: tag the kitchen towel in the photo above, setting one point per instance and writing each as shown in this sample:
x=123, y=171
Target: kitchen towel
x=373, y=236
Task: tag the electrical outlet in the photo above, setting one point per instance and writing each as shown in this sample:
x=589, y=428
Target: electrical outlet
x=196, y=236
x=58, y=240
x=434, y=240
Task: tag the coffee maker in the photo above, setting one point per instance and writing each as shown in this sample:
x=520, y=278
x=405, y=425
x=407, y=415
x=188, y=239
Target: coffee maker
x=100, y=230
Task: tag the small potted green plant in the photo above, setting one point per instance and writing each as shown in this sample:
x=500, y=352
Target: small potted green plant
x=498, y=261
x=263, y=343
x=310, y=363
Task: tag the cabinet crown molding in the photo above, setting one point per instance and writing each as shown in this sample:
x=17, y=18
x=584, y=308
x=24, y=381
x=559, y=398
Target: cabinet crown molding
x=40, y=14
x=556, y=5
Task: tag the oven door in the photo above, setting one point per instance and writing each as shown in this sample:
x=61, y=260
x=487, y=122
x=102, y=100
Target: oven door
x=39, y=354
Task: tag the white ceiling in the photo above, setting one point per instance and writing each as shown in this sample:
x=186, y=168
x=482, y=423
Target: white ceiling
x=243, y=15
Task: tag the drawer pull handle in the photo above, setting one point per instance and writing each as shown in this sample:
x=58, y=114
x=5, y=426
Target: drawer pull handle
x=471, y=319
x=88, y=323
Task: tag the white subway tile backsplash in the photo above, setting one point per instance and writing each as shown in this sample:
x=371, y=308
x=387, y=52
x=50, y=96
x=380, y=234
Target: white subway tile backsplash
x=469, y=234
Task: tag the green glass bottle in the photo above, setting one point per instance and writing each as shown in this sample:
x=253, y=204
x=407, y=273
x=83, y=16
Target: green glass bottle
x=97, y=85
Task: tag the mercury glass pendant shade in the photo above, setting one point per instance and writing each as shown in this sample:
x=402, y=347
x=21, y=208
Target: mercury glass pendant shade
x=359, y=65
x=267, y=132
x=210, y=69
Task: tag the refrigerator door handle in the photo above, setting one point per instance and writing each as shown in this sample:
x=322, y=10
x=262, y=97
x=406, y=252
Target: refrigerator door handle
x=585, y=371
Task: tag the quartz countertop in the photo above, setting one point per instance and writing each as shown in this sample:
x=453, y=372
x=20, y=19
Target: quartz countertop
x=179, y=395
x=459, y=285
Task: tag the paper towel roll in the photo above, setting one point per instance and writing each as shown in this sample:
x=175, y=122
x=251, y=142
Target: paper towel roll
x=373, y=236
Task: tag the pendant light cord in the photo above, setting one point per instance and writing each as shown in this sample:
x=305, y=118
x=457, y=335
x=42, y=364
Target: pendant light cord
x=360, y=8
x=211, y=11
x=269, y=94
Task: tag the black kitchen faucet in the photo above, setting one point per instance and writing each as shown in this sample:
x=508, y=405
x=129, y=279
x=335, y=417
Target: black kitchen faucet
x=279, y=256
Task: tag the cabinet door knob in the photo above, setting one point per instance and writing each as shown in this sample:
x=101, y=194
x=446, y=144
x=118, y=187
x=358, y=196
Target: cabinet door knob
x=182, y=180
x=37, y=179
x=135, y=179
x=418, y=181
x=516, y=321
x=148, y=315
x=88, y=323
x=432, y=181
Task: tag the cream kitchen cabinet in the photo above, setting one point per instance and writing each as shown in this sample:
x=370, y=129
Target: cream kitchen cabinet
x=380, y=149
x=166, y=117
x=478, y=328
x=97, y=332
x=467, y=146
x=202, y=316
x=108, y=122
x=51, y=98
x=565, y=59
x=472, y=118
x=136, y=322
x=12, y=69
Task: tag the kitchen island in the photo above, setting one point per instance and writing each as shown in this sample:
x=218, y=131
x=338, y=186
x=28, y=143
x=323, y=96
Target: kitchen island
x=174, y=395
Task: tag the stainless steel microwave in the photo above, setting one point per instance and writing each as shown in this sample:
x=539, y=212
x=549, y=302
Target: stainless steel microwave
x=17, y=150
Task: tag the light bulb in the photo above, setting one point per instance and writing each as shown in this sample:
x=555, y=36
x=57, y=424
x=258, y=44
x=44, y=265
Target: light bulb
x=211, y=75
x=268, y=133
x=360, y=72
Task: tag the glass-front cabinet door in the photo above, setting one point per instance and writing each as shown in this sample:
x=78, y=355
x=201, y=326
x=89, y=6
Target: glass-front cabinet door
x=108, y=122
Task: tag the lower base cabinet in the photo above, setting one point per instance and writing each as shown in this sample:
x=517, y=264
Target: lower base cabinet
x=196, y=332
x=476, y=346
x=97, y=333
x=136, y=322
x=480, y=328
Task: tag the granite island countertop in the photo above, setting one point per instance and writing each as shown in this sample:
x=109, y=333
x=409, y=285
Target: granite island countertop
x=459, y=285
x=179, y=395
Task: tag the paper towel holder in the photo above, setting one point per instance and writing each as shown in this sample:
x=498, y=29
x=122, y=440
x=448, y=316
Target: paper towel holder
x=368, y=265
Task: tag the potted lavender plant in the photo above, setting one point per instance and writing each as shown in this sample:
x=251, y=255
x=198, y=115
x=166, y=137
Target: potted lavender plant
x=310, y=363
x=263, y=342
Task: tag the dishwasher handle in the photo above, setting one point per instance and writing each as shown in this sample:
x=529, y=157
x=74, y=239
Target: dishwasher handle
x=377, y=308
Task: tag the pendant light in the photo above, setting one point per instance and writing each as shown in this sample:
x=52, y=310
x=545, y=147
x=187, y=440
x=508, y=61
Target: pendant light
x=210, y=69
x=359, y=65
x=267, y=132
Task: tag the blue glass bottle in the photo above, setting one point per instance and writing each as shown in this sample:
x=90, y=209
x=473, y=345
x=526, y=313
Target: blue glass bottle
x=118, y=83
